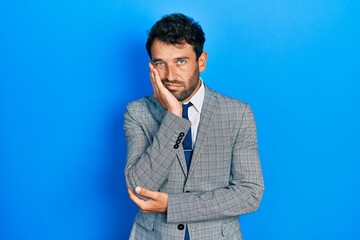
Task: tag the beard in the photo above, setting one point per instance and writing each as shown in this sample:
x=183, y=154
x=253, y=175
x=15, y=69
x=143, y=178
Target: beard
x=193, y=83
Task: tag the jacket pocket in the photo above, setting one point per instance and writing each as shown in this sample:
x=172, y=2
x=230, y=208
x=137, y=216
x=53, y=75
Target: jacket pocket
x=230, y=228
x=145, y=220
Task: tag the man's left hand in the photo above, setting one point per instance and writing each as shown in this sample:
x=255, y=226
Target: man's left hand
x=156, y=202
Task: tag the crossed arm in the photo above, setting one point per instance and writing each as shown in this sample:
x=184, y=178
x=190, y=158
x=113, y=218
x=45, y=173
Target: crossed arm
x=242, y=195
x=156, y=201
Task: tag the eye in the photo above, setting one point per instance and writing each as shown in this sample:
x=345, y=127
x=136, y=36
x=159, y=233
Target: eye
x=181, y=61
x=159, y=64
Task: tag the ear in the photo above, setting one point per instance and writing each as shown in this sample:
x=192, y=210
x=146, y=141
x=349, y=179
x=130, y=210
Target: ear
x=202, y=61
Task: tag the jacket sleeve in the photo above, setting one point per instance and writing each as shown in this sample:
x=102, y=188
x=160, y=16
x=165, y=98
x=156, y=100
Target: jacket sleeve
x=245, y=188
x=150, y=156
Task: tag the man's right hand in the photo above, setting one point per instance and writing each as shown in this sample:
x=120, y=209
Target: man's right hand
x=162, y=94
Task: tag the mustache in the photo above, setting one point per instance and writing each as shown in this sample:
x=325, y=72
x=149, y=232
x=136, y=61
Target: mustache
x=165, y=80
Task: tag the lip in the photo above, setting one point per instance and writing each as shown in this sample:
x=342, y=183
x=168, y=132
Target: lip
x=172, y=86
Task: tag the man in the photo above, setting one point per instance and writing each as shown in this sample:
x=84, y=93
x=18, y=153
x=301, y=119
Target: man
x=192, y=156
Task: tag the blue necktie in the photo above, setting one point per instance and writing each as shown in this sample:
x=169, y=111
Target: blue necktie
x=187, y=145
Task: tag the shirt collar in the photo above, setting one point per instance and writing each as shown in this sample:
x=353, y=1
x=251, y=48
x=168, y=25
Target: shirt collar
x=198, y=99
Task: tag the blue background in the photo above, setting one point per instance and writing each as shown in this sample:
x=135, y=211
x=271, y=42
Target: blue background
x=68, y=69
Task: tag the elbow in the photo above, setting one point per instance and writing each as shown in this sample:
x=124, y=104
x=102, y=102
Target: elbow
x=253, y=198
x=130, y=181
x=256, y=197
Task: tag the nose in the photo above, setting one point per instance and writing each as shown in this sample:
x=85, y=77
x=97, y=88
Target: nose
x=170, y=73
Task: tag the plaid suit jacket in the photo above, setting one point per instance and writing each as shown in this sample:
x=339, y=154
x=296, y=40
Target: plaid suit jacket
x=225, y=178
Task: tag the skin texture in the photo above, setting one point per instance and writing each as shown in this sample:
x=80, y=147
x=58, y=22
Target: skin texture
x=174, y=76
x=156, y=201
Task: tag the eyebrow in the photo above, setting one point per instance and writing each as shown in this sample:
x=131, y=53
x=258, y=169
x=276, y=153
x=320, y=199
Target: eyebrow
x=156, y=60
x=160, y=60
x=181, y=58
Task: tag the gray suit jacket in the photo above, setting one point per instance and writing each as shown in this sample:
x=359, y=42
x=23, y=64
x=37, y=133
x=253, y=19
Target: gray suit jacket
x=224, y=180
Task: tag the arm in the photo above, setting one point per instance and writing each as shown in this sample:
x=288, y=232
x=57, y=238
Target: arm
x=149, y=160
x=150, y=155
x=242, y=195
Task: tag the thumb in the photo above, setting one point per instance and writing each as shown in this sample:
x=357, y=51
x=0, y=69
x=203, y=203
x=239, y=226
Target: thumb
x=138, y=190
x=143, y=192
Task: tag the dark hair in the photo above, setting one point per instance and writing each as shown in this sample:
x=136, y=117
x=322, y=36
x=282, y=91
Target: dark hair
x=177, y=28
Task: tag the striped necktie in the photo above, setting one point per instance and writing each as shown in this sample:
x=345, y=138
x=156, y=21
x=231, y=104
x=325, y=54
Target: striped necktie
x=187, y=143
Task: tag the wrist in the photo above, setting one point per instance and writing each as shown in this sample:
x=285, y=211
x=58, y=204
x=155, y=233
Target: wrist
x=176, y=111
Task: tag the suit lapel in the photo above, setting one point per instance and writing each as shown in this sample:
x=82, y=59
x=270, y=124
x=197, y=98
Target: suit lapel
x=207, y=112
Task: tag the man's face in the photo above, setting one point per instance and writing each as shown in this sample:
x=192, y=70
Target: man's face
x=178, y=68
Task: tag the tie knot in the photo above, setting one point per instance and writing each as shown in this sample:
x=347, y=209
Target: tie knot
x=185, y=110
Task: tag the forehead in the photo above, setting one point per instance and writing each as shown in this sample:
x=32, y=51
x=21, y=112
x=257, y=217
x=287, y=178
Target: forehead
x=163, y=50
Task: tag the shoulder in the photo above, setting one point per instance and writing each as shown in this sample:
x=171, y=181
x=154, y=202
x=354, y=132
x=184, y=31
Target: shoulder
x=144, y=109
x=142, y=104
x=231, y=111
x=227, y=103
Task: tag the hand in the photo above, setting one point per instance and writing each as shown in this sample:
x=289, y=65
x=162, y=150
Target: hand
x=157, y=201
x=162, y=94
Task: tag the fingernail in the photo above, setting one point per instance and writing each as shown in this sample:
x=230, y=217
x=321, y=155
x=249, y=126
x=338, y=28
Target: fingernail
x=138, y=189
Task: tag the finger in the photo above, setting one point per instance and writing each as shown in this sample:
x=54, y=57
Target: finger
x=153, y=80
x=134, y=198
x=155, y=76
x=151, y=73
x=157, y=79
x=131, y=194
x=139, y=202
x=146, y=193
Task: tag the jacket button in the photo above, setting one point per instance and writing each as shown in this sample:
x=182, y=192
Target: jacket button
x=181, y=226
x=178, y=141
x=176, y=146
x=182, y=134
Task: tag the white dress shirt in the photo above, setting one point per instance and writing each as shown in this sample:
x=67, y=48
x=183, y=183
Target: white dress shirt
x=195, y=110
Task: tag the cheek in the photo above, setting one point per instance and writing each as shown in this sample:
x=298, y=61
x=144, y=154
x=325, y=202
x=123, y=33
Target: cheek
x=186, y=72
x=162, y=73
